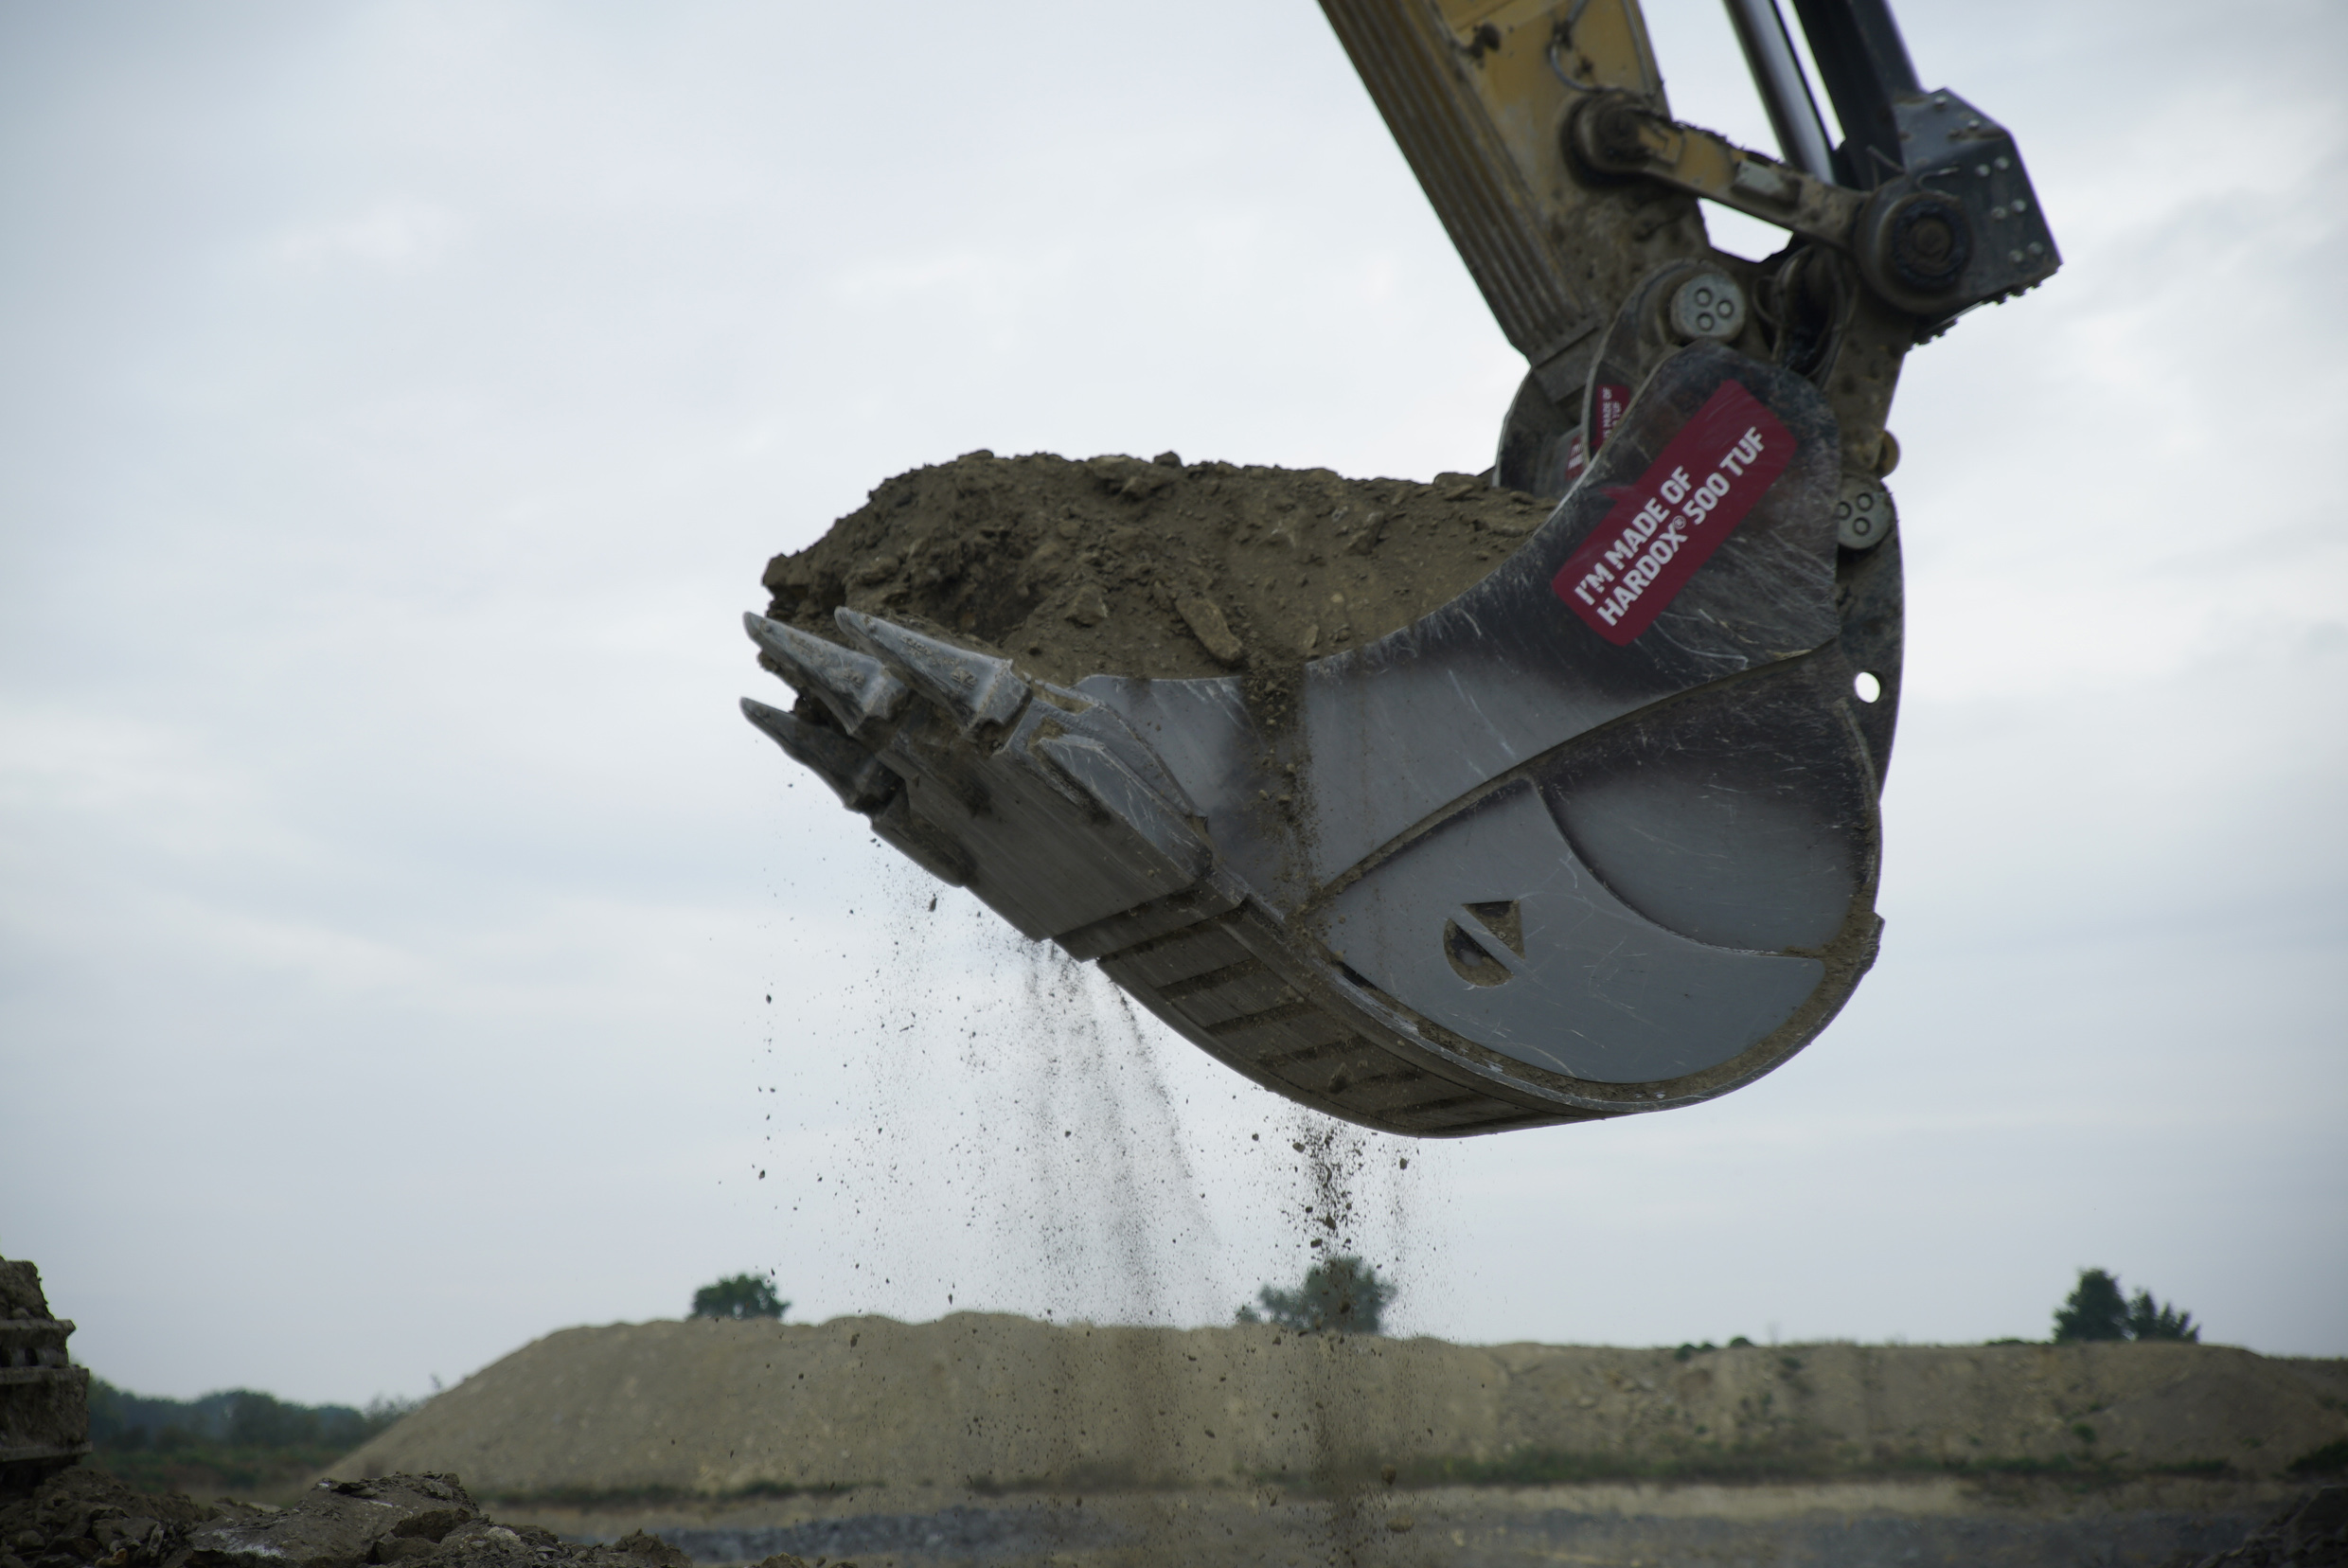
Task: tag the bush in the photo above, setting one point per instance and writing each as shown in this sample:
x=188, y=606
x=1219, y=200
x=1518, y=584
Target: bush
x=2162, y=1321
x=2099, y=1311
x=235, y=1418
x=744, y=1295
x=2331, y=1459
x=1339, y=1296
x=237, y=1440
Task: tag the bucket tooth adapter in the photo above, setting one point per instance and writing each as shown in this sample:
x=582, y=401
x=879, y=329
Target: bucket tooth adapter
x=1600, y=834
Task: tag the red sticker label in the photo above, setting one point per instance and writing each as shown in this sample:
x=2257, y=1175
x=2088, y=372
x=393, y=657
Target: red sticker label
x=1575, y=460
x=1668, y=524
x=1607, y=412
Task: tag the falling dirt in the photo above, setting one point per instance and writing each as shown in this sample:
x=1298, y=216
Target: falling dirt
x=1072, y=568
x=1011, y=1133
x=1009, y=1128
x=999, y=1127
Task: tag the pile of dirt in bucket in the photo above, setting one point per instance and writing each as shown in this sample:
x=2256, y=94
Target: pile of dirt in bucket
x=1159, y=568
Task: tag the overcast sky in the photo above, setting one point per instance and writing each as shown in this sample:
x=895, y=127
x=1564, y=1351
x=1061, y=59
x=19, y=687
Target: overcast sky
x=402, y=400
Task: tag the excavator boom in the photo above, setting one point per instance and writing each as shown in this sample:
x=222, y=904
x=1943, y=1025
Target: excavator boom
x=1600, y=835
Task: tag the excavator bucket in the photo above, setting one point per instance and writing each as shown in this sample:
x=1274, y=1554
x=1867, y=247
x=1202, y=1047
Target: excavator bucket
x=1600, y=834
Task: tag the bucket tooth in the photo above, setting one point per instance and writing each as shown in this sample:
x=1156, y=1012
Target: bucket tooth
x=858, y=689
x=855, y=774
x=976, y=688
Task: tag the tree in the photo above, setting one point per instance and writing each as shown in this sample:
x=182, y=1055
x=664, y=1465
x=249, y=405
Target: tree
x=2147, y=1321
x=2098, y=1311
x=1339, y=1296
x=744, y=1295
x=263, y=1420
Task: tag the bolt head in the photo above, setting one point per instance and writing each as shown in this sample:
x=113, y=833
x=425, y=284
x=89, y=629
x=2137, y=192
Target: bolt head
x=1863, y=513
x=1926, y=242
x=1709, y=305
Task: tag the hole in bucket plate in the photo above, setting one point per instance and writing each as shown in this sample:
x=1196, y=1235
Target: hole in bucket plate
x=1469, y=957
x=1867, y=685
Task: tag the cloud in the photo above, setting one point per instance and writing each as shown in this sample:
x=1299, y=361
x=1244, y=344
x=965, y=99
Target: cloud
x=392, y=235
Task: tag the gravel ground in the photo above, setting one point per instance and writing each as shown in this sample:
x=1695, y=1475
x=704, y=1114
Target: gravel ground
x=82, y=1518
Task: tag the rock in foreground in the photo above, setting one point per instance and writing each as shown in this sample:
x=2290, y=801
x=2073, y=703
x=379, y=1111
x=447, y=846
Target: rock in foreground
x=85, y=1518
x=2310, y=1533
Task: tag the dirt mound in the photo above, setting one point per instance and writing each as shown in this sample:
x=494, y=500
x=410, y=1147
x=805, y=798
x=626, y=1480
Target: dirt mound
x=1151, y=568
x=988, y=1401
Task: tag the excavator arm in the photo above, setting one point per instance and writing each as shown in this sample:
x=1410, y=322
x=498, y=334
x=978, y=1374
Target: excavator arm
x=1600, y=835
x=1540, y=133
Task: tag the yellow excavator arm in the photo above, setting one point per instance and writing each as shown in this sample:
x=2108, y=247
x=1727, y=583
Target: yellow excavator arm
x=1540, y=133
